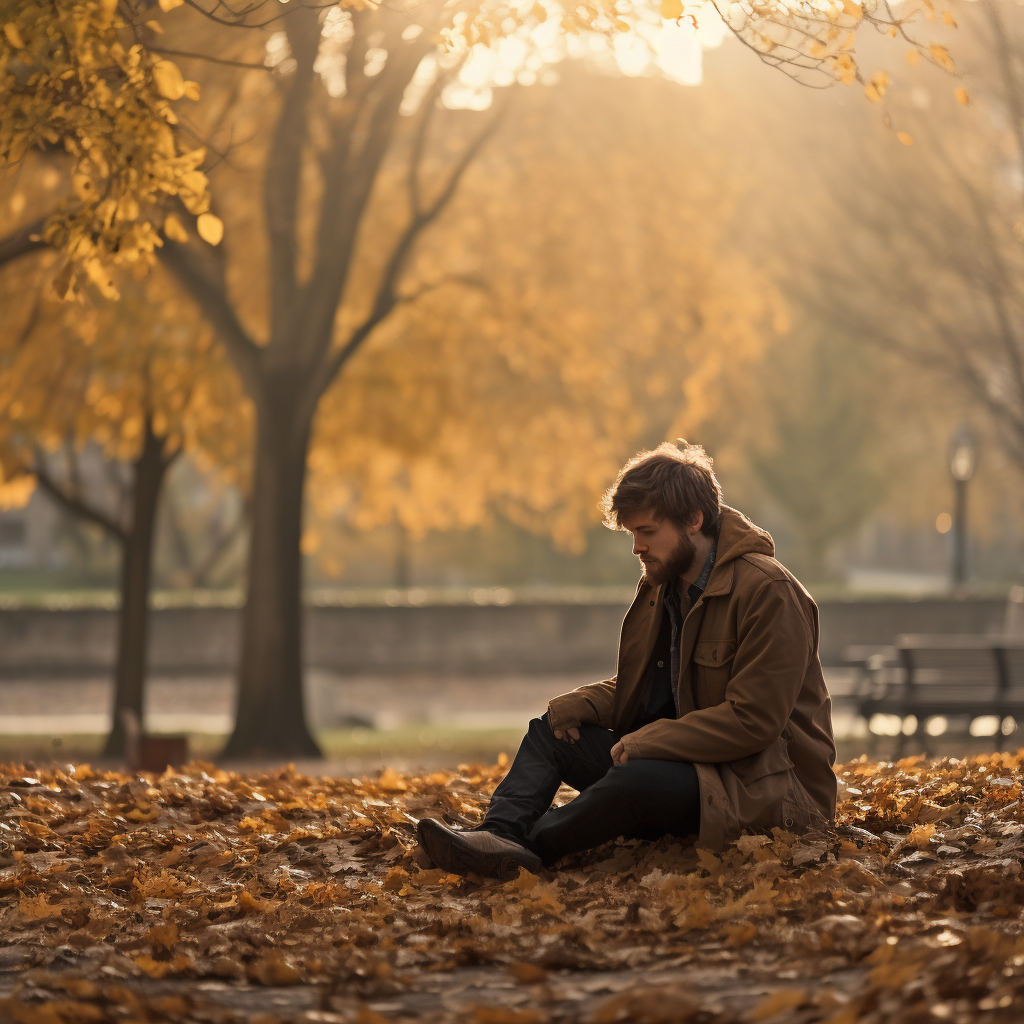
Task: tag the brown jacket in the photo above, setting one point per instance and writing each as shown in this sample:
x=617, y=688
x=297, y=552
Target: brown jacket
x=755, y=716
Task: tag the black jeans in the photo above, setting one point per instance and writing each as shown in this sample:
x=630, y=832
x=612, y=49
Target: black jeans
x=644, y=799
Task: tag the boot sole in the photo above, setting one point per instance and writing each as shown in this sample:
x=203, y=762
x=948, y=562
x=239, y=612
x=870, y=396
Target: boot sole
x=447, y=852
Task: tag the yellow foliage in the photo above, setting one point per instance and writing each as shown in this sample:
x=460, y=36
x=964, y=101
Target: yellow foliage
x=174, y=229
x=608, y=307
x=210, y=228
x=875, y=89
x=169, y=80
x=105, y=100
x=940, y=54
x=77, y=374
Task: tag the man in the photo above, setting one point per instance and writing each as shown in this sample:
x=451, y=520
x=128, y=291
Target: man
x=717, y=720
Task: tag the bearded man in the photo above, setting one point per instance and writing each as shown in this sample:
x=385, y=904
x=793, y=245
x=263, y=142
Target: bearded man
x=717, y=720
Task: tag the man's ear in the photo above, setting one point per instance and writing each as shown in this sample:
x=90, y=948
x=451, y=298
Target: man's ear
x=695, y=523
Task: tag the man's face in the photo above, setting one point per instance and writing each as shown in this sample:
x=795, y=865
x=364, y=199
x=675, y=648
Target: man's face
x=665, y=550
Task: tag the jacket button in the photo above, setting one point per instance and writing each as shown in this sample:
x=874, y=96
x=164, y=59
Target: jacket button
x=789, y=823
x=661, y=664
x=711, y=800
x=652, y=604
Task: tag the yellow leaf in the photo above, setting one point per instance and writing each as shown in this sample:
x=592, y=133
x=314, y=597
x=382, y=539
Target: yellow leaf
x=155, y=26
x=165, y=935
x=247, y=901
x=154, y=968
x=949, y=19
x=708, y=861
x=778, y=1002
x=37, y=908
x=913, y=57
x=854, y=10
x=192, y=90
x=508, y=1015
x=962, y=96
x=210, y=228
x=905, y=138
x=391, y=782
x=875, y=89
x=14, y=36
x=919, y=835
x=671, y=9
x=941, y=57
x=275, y=969
x=169, y=5
x=168, y=80
x=740, y=934
x=364, y=1015
x=174, y=229
x=527, y=973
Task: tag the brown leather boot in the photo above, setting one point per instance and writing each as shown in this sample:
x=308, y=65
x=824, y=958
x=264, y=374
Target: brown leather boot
x=482, y=853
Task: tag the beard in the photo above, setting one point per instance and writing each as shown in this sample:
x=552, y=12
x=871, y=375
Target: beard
x=662, y=570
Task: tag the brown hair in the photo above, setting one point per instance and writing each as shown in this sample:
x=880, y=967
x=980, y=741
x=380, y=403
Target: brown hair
x=670, y=483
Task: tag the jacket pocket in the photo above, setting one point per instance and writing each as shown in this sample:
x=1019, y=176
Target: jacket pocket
x=712, y=660
x=766, y=762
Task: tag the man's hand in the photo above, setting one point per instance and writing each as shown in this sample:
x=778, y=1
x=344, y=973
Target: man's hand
x=568, y=735
x=619, y=755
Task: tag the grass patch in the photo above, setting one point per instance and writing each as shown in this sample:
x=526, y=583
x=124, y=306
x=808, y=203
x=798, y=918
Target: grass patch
x=361, y=747
x=413, y=741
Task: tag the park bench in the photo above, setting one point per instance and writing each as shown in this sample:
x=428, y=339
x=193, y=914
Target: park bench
x=922, y=676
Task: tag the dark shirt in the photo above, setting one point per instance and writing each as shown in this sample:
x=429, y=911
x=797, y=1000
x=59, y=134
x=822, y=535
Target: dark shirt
x=662, y=699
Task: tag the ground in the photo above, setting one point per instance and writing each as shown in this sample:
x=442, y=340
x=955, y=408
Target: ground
x=208, y=895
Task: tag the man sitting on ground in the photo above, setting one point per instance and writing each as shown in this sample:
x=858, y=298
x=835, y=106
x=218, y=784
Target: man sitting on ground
x=717, y=720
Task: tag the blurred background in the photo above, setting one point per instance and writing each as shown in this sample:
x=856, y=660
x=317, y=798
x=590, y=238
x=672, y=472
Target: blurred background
x=824, y=291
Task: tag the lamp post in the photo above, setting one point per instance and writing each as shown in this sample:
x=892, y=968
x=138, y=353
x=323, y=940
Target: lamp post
x=963, y=460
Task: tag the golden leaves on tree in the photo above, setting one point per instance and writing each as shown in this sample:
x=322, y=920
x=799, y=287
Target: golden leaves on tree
x=70, y=375
x=70, y=79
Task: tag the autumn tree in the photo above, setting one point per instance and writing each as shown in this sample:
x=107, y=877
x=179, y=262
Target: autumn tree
x=301, y=121
x=938, y=241
x=140, y=379
x=605, y=315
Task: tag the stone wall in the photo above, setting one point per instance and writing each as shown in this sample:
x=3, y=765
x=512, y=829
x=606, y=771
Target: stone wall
x=458, y=639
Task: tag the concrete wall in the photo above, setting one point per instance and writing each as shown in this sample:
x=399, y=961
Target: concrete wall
x=460, y=639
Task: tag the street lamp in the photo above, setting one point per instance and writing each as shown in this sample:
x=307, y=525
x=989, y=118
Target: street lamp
x=963, y=460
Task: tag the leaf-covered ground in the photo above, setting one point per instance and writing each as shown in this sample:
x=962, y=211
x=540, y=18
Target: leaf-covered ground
x=212, y=896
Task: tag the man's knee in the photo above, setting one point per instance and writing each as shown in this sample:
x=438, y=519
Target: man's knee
x=541, y=727
x=647, y=776
x=630, y=777
x=539, y=733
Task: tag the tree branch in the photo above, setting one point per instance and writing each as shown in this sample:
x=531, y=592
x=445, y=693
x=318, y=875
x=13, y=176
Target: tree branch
x=212, y=60
x=203, y=278
x=343, y=207
x=284, y=173
x=387, y=297
x=74, y=503
x=24, y=240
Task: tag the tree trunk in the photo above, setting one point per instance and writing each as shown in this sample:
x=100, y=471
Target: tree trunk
x=136, y=565
x=271, y=718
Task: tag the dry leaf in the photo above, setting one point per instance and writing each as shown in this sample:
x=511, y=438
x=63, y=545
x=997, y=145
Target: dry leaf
x=210, y=228
x=168, y=79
